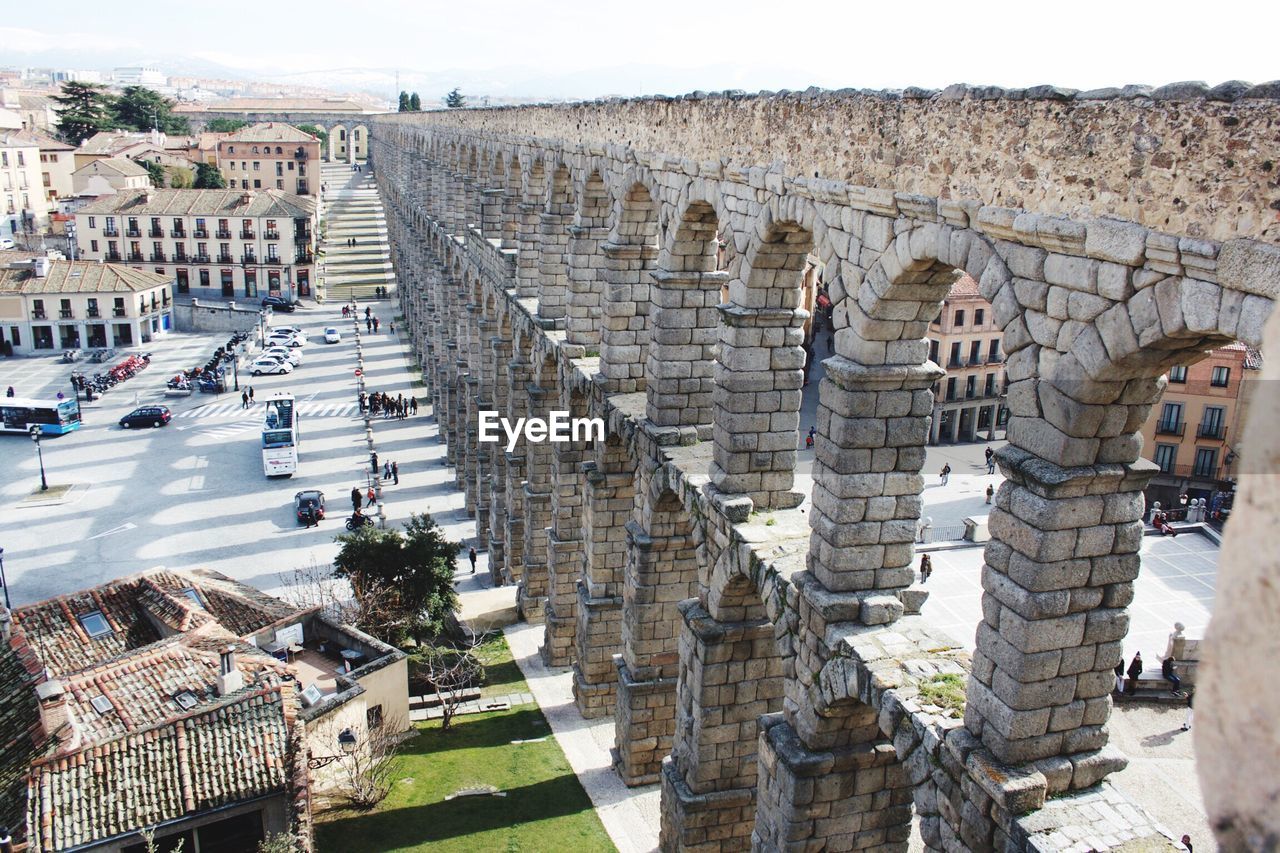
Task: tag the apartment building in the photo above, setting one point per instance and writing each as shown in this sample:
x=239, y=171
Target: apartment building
x=270, y=155
x=1194, y=432
x=26, y=205
x=965, y=341
x=214, y=244
x=50, y=305
x=57, y=162
x=108, y=176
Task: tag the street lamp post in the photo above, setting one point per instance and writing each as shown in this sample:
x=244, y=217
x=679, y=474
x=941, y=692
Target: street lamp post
x=4, y=582
x=35, y=436
x=235, y=366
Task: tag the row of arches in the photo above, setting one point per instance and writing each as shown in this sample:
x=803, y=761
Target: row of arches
x=766, y=679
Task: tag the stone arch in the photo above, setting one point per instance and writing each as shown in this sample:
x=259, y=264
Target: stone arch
x=586, y=276
x=339, y=143
x=553, y=240
x=630, y=253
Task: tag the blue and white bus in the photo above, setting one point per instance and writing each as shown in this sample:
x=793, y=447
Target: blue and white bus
x=280, y=436
x=54, y=417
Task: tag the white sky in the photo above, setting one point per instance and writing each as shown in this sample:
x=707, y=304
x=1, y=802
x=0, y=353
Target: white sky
x=747, y=44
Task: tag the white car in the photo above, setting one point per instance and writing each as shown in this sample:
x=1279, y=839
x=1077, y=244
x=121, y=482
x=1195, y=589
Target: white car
x=6, y=243
x=293, y=356
x=332, y=335
x=270, y=366
x=285, y=341
x=293, y=330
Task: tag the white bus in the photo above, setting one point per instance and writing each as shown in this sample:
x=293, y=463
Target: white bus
x=280, y=436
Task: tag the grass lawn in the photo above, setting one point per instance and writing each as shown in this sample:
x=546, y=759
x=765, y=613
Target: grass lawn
x=544, y=808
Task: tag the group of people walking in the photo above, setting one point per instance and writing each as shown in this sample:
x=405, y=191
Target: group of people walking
x=398, y=406
x=246, y=397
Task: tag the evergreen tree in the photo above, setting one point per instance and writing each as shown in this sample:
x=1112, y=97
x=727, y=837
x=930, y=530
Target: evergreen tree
x=404, y=102
x=317, y=133
x=140, y=108
x=83, y=110
x=225, y=125
x=455, y=99
x=155, y=170
x=209, y=178
x=415, y=103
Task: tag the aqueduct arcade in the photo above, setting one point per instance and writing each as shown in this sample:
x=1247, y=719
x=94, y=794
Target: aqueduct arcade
x=760, y=649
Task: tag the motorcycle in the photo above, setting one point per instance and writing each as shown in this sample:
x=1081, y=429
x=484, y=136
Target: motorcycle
x=358, y=520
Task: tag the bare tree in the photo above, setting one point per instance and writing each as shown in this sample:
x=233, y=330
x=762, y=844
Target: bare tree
x=315, y=585
x=366, y=773
x=450, y=670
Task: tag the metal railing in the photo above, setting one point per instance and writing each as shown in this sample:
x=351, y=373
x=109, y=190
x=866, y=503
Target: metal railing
x=1170, y=427
x=1217, y=430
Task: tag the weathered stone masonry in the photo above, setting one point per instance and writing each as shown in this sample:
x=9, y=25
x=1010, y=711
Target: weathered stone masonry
x=762, y=660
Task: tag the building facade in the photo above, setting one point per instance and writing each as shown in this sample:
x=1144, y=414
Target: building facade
x=229, y=244
x=49, y=305
x=26, y=206
x=270, y=155
x=968, y=402
x=109, y=175
x=57, y=162
x=1194, y=433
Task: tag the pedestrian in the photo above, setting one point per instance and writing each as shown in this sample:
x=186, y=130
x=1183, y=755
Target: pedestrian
x=368, y=312
x=471, y=555
x=1120, y=674
x=1134, y=672
x=250, y=395
x=991, y=490
x=386, y=470
x=393, y=327
x=9, y=393
x=808, y=439
x=1186, y=727
x=945, y=473
x=1166, y=670
x=353, y=242
x=356, y=498
x=370, y=497
x=368, y=325
x=375, y=324
x=373, y=460
x=926, y=568
x=413, y=405
x=1186, y=839
x=395, y=473
x=313, y=517
x=244, y=399
x=362, y=402
x=991, y=464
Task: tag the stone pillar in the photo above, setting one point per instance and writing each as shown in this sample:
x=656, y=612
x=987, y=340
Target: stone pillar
x=730, y=675
x=586, y=285
x=661, y=570
x=511, y=219
x=491, y=214
x=514, y=461
x=682, y=348
x=486, y=451
x=553, y=261
x=500, y=353
x=529, y=255
x=535, y=585
x=608, y=503
x=758, y=377
x=872, y=426
x=565, y=546
x=1058, y=576
x=625, y=335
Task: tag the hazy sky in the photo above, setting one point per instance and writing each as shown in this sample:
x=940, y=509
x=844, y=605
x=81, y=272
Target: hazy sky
x=746, y=44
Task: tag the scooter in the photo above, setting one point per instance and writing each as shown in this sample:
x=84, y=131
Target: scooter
x=358, y=520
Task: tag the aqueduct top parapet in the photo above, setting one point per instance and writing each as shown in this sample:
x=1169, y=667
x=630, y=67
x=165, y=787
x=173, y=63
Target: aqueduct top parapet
x=1183, y=159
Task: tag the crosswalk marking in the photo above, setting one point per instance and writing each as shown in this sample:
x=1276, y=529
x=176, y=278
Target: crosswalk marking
x=319, y=409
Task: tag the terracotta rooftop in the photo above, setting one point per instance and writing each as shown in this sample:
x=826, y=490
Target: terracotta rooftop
x=20, y=733
x=119, y=165
x=236, y=750
x=965, y=286
x=160, y=202
x=270, y=131
x=77, y=277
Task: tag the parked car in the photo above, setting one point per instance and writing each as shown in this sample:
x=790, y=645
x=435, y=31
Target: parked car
x=293, y=356
x=297, y=330
x=306, y=501
x=285, y=340
x=6, y=243
x=270, y=365
x=279, y=303
x=144, y=416
x=332, y=335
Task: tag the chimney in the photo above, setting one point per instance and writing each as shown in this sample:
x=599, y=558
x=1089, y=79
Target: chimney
x=6, y=623
x=230, y=679
x=56, y=716
x=246, y=197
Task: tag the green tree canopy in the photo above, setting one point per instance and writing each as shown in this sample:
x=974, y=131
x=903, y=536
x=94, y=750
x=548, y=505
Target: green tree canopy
x=83, y=110
x=404, y=102
x=455, y=99
x=415, y=103
x=178, y=178
x=140, y=108
x=155, y=170
x=225, y=125
x=317, y=133
x=209, y=178
x=409, y=576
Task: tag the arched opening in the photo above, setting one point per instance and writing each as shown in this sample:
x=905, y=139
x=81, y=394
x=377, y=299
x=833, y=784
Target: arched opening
x=586, y=278
x=630, y=255
x=339, y=145
x=553, y=233
x=359, y=142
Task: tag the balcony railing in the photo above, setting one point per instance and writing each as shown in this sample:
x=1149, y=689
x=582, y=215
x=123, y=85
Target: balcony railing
x=200, y=234
x=223, y=234
x=66, y=314
x=156, y=232
x=133, y=232
x=1211, y=430
x=304, y=258
x=180, y=256
x=300, y=154
x=180, y=233
x=274, y=261
x=117, y=312
x=995, y=358
x=113, y=256
x=135, y=256
x=1170, y=427
x=248, y=259
x=157, y=256
x=271, y=235
x=106, y=232
x=39, y=314
x=225, y=259
x=93, y=313
x=247, y=235
x=201, y=259
x=303, y=189
x=1194, y=472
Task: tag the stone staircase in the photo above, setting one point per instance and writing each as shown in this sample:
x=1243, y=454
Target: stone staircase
x=352, y=208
